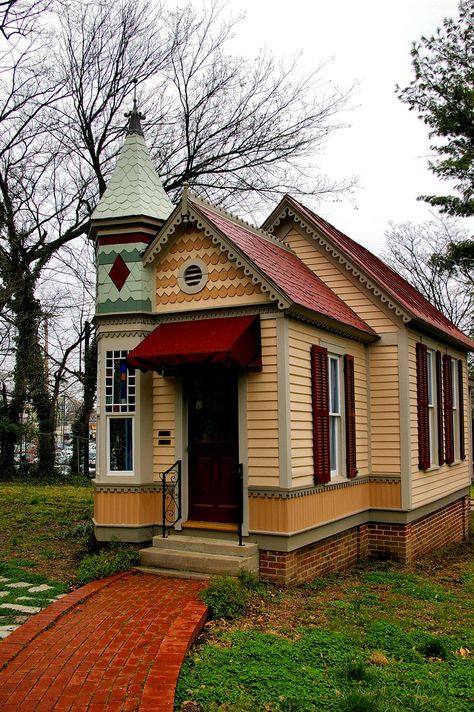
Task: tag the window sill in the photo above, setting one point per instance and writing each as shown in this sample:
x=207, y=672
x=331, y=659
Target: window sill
x=121, y=473
x=337, y=479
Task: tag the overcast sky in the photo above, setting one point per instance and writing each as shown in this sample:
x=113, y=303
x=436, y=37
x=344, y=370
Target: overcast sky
x=386, y=146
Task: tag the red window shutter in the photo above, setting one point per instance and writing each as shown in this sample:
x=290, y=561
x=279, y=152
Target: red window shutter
x=349, y=391
x=448, y=409
x=422, y=403
x=439, y=407
x=320, y=392
x=462, y=445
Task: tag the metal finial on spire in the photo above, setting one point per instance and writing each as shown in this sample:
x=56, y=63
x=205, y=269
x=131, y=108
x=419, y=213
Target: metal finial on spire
x=134, y=116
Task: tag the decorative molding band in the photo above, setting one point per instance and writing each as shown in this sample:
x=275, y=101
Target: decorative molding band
x=122, y=334
x=333, y=326
x=217, y=313
x=135, y=489
x=139, y=320
x=108, y=326
x=277, y=493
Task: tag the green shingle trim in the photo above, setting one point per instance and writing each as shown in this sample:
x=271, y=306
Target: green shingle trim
x=121, y=305
x=104, y=258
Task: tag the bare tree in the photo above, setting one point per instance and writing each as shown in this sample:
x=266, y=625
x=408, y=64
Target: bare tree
x=19, y=17
x=239, y=130
x=236, y=130
x=410, y=250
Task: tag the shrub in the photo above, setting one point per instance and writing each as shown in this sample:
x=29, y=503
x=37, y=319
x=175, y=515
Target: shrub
x=226, y=597
x=434, y=648
x=356, y=671
x=106, y=563
x=83, y=533
x=358, y=701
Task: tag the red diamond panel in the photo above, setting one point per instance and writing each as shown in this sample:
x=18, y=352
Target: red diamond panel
x=119, y=272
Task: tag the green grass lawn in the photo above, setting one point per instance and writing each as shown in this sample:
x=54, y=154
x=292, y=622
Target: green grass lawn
x=383, y=638
x=44, y=528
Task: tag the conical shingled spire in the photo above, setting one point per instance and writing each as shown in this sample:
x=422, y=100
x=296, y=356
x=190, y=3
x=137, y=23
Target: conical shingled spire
x=134, y=187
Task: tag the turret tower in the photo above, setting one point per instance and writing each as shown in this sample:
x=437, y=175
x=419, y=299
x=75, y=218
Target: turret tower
x=129, y=214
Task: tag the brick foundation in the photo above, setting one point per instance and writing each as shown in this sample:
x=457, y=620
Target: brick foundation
x=401, y=542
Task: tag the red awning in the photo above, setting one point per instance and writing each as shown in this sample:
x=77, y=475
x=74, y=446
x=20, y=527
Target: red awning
x=228, y=341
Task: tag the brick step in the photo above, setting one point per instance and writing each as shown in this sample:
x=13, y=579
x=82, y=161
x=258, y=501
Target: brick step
x=173, y=573
x=200, y=555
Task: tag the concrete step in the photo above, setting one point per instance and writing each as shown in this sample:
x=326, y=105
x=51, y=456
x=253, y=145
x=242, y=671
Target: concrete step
x=207, y=556
x=205, y=545
x=173, y=573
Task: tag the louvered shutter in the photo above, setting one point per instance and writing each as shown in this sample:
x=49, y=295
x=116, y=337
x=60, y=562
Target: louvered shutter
x=448, y=409
x=320, y=393
x=349, y=392
x=462, y=446
x=422, y=403
x=439, y=407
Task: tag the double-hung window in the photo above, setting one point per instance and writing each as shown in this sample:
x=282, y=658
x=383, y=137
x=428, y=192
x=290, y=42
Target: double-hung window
x=120, y=408
x=431, y=404
x=334, y=415
x=334, y=440
x=440, y=408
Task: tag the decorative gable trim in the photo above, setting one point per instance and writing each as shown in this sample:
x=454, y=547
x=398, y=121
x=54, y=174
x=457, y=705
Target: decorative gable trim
x=342, y=259
x=179, y=221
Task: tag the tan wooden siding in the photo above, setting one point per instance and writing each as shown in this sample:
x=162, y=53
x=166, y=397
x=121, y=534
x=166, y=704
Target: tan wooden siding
x=385, y=409
x=337, y=277
x=127, y=508
x=227, y=285
x=164, y=418
x=262, y=413
x=301, y=337
x=430, y=485
x=272, y=514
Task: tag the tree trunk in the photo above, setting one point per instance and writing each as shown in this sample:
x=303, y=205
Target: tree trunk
x=80, y=428
x=31, y=372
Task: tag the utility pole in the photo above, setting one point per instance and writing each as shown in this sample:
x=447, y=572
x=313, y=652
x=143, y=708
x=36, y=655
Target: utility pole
x=87, y=337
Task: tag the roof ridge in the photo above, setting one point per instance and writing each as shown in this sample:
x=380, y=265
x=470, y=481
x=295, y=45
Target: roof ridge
x=197, y=199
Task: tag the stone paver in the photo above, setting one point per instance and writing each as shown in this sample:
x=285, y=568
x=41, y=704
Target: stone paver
x=40, y=588
x=115, y=644
x=18, y=584
x=21, y=608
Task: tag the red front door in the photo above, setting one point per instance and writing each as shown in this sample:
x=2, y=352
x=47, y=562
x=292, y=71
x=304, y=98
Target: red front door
x=213, y=453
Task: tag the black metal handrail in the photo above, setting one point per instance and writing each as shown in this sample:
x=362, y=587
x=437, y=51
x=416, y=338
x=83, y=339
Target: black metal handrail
x=171, y=496
x=241, y=502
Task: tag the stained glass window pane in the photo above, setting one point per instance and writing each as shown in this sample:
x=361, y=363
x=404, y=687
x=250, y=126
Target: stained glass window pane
x=121, y=444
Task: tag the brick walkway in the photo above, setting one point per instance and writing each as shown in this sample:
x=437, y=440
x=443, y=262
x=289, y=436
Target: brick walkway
x=115, y=644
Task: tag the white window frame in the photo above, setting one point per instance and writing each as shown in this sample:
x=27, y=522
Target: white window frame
x=456, y=434
x=335, y=418
x=432, y=405
x=122, y=416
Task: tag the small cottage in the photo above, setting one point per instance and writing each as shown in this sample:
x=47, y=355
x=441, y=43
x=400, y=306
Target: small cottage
x=275, y=394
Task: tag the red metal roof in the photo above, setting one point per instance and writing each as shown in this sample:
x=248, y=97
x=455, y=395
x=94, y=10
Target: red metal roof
x=229, y=341
x=386, y=278
x=285, y=270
